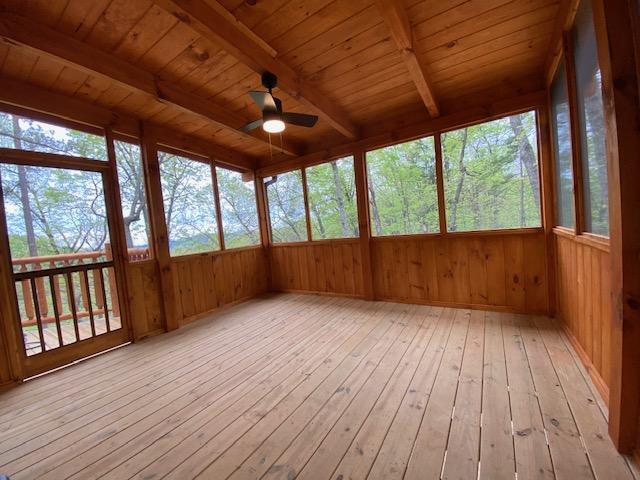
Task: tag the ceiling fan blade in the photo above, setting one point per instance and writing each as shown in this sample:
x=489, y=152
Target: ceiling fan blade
x=251, y=126
x=264, y=100
x=278, y=104
x=300, y=119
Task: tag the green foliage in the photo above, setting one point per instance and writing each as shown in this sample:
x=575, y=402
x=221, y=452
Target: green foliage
x=562, y=146
x=238, y=208
x=491, y=175
x=189, y=206
x=132, y=194
x=33, y=135
x=332, y=199
x=403, y=195
x=286, y=208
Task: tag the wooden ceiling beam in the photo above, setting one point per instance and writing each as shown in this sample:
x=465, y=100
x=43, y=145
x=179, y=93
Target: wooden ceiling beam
x=19, y=31
x=395, y=16
x=214, y=22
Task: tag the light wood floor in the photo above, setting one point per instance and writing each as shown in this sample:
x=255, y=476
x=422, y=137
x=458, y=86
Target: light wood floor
x=295, y=386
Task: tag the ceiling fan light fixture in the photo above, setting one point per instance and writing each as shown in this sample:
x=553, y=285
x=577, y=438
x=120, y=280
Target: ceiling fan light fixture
x=273, y=125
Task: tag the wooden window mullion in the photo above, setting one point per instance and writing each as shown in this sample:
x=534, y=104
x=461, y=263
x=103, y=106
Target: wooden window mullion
x=576, y=154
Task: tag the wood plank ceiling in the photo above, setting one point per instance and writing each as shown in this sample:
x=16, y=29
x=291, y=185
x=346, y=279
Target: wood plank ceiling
x=470, y=51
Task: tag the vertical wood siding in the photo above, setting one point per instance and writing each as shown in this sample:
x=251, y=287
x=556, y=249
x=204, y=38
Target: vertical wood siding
x=506, y=271
x=213, y=280
x=583, y=278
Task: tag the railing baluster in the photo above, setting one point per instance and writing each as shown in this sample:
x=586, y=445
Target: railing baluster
x=84, y=291
x=98, y=289
x=85, y=276
x=36, y=305
x=41, y=293
x=113, y=292
x=81, y=296
x=72, y=305
x=56, y=311
x=56, y=284
x=106, y=306
x=27, y=296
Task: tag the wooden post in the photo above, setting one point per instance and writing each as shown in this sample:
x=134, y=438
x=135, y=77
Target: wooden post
x=364, y=227
x=615, y=21
x=172, y=310
x=10, y=331
x=265, y=238
x=547, y=199
x=113, y=287
x=118, y=288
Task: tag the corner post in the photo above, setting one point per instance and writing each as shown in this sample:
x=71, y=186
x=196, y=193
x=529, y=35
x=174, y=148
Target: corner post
x=617, y=24
x=364, y=226
x=172, y=310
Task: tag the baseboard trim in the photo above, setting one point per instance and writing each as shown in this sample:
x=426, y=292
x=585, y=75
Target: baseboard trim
x=596, y=378
x=433, y=303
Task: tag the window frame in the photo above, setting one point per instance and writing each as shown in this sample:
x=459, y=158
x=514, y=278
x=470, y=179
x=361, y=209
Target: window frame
x=437, y=150
x=567, y=56
x=215, y=165
x=59, y=122
x=534, y=108
x=493, y=231
x=162, y=148
x=303, y=180
x=308, y=208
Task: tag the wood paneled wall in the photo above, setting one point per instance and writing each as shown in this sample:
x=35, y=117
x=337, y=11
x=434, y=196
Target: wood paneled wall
x=328, y=266
x=145, y=302
x=504, y=271
x=5, y=372
x=501, y=271
x=212, y=280
x=583, y=277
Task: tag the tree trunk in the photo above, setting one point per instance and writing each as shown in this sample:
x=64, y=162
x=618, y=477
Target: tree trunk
x=523, y=219
x=527, y=156
x=23, y=184
x=344, y=221
x=463, y=171
x=374, y=209
x=319, y=219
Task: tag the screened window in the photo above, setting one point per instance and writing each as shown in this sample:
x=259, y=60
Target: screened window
x=331, y=188
x=286, y=207
x=591, y=120
x=403, y=196
x=189, y=205
x=134, y=199
x=491, y=175
x=56, y=214
x=561, y=123
x=238, y=208
x=27, y=134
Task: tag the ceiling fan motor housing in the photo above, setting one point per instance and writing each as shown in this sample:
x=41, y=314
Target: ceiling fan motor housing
x=269, y=80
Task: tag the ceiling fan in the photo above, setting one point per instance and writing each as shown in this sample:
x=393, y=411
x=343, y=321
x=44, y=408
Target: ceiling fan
x=273, y=118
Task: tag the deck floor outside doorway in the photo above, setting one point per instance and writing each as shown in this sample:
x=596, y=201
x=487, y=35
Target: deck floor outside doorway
x=300, y=386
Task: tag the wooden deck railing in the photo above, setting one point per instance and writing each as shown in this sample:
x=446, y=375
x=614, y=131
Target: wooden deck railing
x=84, y=291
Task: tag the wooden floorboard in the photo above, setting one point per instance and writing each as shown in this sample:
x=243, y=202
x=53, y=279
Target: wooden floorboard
x=301, y=386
